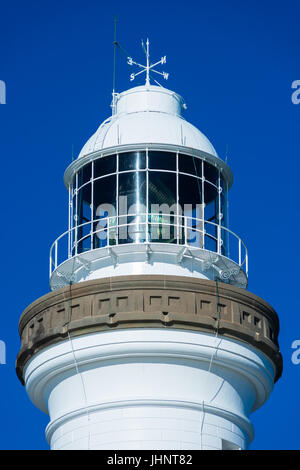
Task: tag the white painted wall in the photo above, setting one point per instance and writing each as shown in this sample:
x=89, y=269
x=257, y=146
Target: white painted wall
x=149, y=389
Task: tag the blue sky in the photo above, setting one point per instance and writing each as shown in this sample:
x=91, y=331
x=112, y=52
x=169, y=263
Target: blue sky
x=234, y=63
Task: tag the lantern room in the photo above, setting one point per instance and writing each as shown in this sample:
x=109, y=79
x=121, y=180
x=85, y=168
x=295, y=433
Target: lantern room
x=148, y=194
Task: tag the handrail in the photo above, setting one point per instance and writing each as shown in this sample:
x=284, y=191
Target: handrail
x=189, y=225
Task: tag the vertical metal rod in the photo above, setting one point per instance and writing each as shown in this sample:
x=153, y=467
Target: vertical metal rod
x=76, y=214
x=117, y=198
x=203, y=206
x=240, y=252
x=92, y=206
x=177, y=197
x=114, y=72
x=69, y=224
x=108, y=228
x=72, y=216
x=227, y=219
x=55, y=255
x=147, y=197
x=147, y=68
x=219, y=213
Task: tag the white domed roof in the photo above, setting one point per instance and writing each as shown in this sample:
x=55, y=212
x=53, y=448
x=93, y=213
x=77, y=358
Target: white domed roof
x=151, y=115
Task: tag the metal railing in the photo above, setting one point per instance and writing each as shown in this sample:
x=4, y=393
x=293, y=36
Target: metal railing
x=145, y=228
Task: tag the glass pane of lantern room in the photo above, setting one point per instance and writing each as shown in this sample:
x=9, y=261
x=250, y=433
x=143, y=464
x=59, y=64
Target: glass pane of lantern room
x=210, y=215
x=162, y=206
x=211, y=173
x=190, y=164
x=104, y=208
x=190, y=202
x=132, y=207
x=104, y=166
x=84, y=175
x=132, y=161
x=84, y=218
x=162, y=160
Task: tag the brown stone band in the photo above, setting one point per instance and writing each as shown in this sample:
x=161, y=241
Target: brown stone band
x=149, y=301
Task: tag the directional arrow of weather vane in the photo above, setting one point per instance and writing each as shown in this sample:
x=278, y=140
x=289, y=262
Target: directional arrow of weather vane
x=148, y=67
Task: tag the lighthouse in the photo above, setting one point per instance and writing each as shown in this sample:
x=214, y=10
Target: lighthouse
x=149, y=338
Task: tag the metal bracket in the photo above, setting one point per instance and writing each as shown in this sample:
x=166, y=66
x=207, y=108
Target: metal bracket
x=181, y=254
x=65, y=277
x=227, y=274
x=208, y=264
x=148, y=251
x=86, y=264
x=113, y=255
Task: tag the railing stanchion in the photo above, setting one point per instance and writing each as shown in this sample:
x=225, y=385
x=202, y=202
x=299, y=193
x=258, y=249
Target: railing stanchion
x=107, y=231
x=219, y=240
x=55, y=255
x=92, y=235
x=50, y=264
x=147, y=227
x=76, y=238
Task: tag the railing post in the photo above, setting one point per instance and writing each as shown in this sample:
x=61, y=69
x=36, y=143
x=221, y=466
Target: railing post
x=55, y=255
x=185, y=231
x=219, y=240
x=76, y=237
x=147, y=226
x=69, y=249
x=50, y=264
x=107, y=231
x=92, y=235
x=69, y=224
x=240, y=252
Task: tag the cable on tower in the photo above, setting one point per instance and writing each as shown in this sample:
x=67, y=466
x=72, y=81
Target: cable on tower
x=79, y=374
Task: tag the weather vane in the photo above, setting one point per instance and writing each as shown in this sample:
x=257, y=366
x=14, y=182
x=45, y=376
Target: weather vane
x=148, y=67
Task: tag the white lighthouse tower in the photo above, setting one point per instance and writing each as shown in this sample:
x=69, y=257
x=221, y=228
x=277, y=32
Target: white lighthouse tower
x=149, y=338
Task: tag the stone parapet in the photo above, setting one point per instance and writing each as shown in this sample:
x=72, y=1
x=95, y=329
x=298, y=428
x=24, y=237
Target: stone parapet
x=149, y=301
